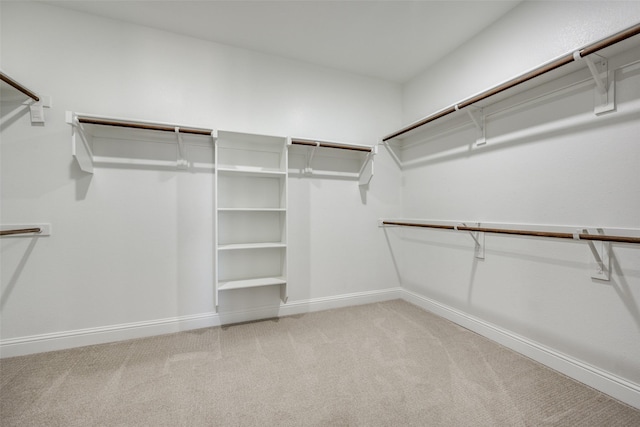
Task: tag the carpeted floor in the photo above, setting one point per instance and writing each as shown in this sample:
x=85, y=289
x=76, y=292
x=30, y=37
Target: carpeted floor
x=385, y=364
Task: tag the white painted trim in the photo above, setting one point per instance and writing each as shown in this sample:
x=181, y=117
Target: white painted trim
x=82, y=337
x=619, y=388
x=603, y=381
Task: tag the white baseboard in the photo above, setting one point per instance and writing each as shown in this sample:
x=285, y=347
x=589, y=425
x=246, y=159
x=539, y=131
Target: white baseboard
x=610, y=384
x=82, y=337
x=592, y=376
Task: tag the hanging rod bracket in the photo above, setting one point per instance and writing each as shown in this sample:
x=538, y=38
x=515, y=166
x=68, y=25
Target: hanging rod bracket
x=478, y=118
x=36, y=108
x=604, y=96
x=601, y=251
x=182, y=162
x=478, y=238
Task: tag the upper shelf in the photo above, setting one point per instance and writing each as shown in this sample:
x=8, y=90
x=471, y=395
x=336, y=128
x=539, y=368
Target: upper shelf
x=89, y=127
x=365, y=171
x=250, y=154
x=555, y=68
x=251, y=171
x=336, y=145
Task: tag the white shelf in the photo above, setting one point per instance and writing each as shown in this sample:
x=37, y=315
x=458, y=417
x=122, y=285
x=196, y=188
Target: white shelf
x=101, y=139
x=252, y=210
x=251, y=171
x=251, y=283
x=240, y=246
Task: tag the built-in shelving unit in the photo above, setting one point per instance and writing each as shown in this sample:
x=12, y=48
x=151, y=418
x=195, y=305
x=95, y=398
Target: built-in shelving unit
x=251, y=212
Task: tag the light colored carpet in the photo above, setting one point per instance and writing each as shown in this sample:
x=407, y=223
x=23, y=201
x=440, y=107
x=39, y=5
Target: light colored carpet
x=386, y=364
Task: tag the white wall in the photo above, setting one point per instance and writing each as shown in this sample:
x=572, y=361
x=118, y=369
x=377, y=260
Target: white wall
x=551, y=162
x=134, y=245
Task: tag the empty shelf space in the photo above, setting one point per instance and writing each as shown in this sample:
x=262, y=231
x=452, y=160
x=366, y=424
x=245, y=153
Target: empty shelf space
x=239, y=246
x=251, y=283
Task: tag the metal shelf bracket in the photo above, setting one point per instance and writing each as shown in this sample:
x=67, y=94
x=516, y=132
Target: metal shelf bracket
x=478, y=238
x=312, y=150
x=81, y=150
x=366, y=171
x=478, y=118
x=181, y=162
x=605, y=91
x=601, y=251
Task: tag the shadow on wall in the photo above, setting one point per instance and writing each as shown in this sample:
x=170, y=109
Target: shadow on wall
x=81, y=178
x=396, y=267
x=622, y=288
x=327, y=163
x=11, y=112
x=130, y=154
x=15, y=277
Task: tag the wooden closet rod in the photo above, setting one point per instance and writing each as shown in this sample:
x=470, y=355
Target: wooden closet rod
x=312, y=143
x=616, y=38
x=148, y=126
x=580, y=236
x=20, y=231
x=8, y=80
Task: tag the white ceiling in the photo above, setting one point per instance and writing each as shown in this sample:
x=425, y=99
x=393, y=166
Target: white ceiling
x=392, y=40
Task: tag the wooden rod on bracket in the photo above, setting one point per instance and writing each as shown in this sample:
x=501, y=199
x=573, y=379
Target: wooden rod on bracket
x=137, y=125
x=313, y=143
x=20, y=231
x=552, y=234
x=8, y=80
x=545, y=68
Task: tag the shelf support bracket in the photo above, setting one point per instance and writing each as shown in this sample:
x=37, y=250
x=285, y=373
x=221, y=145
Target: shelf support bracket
x=478, y=238
x=366, y=171
x=604, y=96
x=182, y=162
x=308, y=169
x=81, y=151
x=477, y=117
x=601, y=251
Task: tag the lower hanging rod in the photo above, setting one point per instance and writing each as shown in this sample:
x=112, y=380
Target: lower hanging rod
x=138, y=125
x=20, y=231
x=313, y=143
x=552, y=234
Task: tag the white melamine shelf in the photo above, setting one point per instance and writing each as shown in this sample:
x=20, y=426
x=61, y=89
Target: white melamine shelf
x=251, y=171
x=237, y=246
x=251, y=283
x=252, y=209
